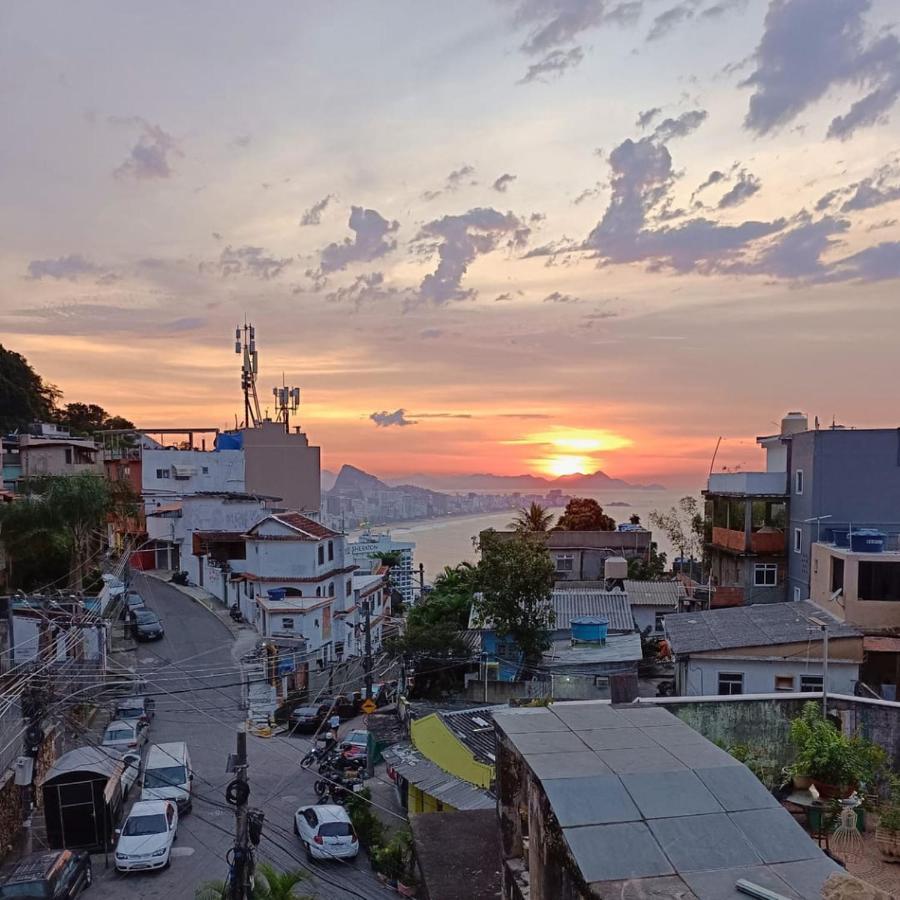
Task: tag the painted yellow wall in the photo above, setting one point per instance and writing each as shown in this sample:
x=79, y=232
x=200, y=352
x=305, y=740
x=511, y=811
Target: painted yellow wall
x=433, y=739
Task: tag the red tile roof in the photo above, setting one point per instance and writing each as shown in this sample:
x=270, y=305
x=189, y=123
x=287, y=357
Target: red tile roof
x=308, y=526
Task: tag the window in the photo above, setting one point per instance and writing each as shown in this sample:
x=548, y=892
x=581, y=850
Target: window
x=330, y=551
x=810, y=683
x=879, y=581
x=205, y=470
x=287, y=624
x=784, y=682
x=797, y=594
x=565, y=562
x=765, y=574
x=68, y=456
x=321, y=555
x=659, y=623
x=162, y=473
x=798, y=481
x=349, y=588
x=837, y=573
x=798, y=540
x=601, y=681
x=731, y=683
x=331, y=589
x=318, y=591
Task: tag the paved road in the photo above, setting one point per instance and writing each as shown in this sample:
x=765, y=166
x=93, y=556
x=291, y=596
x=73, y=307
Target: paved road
x=193, y=671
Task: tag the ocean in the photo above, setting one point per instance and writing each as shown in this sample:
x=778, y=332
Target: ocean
x=447, y=541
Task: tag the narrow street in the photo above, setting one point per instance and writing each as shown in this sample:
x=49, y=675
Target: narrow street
x=194, y=675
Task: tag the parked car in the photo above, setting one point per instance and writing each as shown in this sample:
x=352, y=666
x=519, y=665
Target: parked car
x=146, y=625
x=131, y=771
x=145, y=841
x=133, y=601
x=124, y=735
x=305, y=719
x=355, y=745
x=57, y=873
x=325, y=832
x=136, y=708
x=345, y=706
x=168, y=775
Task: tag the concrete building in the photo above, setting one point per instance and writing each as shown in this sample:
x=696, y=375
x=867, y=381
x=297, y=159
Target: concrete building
x=611, y=801
x=369, y=543
x=47, y=449
x=167, y=473
x=761, y=649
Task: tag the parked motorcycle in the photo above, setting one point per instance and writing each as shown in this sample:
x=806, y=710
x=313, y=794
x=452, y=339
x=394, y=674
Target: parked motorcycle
x=235, y=613
x=179, y=578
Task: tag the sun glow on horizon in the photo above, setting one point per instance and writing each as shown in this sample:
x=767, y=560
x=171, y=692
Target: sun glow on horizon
x=565, y=465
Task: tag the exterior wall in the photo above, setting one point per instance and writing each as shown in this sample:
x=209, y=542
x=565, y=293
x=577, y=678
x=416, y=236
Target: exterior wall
x=360, y=550
x=645, y=617
x=283, y=465
x=224, y=472
x=874, y=614
x=851, y=475
x=50, y=459
x=699, y=676
x=432, y=737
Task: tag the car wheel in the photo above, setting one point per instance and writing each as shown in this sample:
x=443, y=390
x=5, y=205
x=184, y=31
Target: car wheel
x=309, y=853
x=88, y=876
x=296, y=829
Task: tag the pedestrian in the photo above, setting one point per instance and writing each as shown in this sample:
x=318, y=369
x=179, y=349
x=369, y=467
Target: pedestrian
x=334, y=723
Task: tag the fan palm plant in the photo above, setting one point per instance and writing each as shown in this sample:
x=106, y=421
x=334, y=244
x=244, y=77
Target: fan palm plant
x=273, y=885
x=532, y=519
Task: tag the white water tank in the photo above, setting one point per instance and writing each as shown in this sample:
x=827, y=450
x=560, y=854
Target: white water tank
x=794, y=423
x=615, y=567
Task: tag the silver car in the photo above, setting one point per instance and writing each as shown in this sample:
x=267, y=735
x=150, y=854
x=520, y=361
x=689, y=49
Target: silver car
x=125, y=735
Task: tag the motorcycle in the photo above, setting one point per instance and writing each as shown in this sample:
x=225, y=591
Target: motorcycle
x=337, y=788
x=179, y=578
x=235, y=613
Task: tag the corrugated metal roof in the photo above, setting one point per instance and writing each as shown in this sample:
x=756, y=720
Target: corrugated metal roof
x=758, y=625
x=654, y=593
x=475, y=728
x=612, y=605
x=619, y=648
x=430, y=778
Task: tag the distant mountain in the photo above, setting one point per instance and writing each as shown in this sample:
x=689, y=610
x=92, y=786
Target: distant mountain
x=350, y=480
x=328, y=479
x=596, y=481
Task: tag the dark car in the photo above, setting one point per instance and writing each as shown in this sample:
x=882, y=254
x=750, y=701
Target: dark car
x=133, y=601
x=305, y=719
x=355, y=745
x=52, y=875
x=345, y=706
x=146, y=625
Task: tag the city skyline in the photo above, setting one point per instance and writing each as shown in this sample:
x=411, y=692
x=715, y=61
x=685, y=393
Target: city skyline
x=509, y=237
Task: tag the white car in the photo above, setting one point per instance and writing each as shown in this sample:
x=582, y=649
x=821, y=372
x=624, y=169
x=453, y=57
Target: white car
x=325, y=831
x=132, y=761
x=124, y=735
x=145, y=841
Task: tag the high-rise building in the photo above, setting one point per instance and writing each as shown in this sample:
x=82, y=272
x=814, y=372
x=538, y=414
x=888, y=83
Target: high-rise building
x=362, y=552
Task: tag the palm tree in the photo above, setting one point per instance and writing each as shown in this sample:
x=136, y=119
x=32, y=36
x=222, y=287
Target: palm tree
x=532, y=520
x=273, y=885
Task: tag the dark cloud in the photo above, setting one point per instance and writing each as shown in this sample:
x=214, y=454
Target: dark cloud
x=70, y=267
x=668, y=19
x=427, y=196
x=885, y=223
x=189, y=323
x=588, y=193
x=364, y=289
x=743, y=189
x=714, y=177
x=680, y=127
x=150, y=156
x=458, y=240
x=553, y=65
x=878, y=263
x=251, y=261
x=313, y=215
x=217, y=236
x=536, y=218
x=647, y=116
x=503, y=182
x=385, y=419
x=431, y=333
x=371, y=241
x=716, y=10
x=882, y=186
x=457, y=176
x=442, y=415
x=241, y=141
x=808, y=48
x=557, y=297
x=502, y=298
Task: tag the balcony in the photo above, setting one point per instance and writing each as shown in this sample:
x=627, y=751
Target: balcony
x=748, y=484
x=769, y=542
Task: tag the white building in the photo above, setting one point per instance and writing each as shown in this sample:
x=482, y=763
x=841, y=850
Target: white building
x=402, y=576
x=350, y=623
x=171, y=474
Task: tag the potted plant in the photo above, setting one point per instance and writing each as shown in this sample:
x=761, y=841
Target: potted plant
x=390, y=861
x=887, y=832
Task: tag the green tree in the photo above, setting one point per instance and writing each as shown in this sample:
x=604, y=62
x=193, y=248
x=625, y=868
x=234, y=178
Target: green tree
x=650, y=569
x=515, y=578
x=634, y=519
x=24, y=396
x=269, y=884
x=585, y=514
x=682, y=524
x=88, y=418
x=532, y=519
x=390, y=558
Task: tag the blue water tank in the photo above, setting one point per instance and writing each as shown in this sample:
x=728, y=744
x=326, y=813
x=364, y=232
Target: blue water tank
x=592, y=629
x=227, y=441
x=841, y=537
x=276, y=593
x=867, y=540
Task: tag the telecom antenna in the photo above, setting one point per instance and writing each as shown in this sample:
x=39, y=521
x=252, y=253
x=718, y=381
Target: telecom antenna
x=287, y=401
x=245, y=344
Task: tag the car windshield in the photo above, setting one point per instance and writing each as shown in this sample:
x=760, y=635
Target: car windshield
x=335, y=829
x=135, y=600
x=138, y=825
x=129, y=712
x=167, y=776
x=357, y=737
x=145, y=617
x=26, y=890
x=119, y=734
x=306, y=711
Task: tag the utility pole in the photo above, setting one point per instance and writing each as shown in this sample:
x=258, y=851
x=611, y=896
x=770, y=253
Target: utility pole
x=367, y=607
x=238, y=793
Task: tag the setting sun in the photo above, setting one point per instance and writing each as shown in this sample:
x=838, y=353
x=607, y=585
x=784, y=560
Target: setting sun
x=565, y=465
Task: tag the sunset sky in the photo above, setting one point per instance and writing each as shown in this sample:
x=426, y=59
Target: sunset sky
x=482, y=236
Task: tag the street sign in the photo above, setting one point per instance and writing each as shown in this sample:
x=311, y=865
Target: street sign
x=368, y=706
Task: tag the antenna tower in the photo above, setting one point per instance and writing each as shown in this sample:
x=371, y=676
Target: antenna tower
x=287, y=401
x=245, y=346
